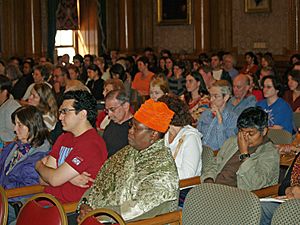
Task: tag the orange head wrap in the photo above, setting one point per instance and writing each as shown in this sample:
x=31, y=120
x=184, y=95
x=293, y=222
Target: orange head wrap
x=155, y=115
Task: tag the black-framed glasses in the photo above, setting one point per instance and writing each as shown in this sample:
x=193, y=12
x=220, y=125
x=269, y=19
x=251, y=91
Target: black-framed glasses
x=64, y=111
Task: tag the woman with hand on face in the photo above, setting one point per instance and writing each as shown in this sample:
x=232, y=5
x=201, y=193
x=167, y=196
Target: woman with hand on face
x=279, y=111
x=18, y=159
x=43, y=99
x=218, y=123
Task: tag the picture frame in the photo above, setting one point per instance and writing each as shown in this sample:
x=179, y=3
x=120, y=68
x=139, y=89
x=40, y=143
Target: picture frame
x=257, y=6
x=174, y=12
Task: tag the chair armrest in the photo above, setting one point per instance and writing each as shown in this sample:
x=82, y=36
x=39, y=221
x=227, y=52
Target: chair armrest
x=70, y=207
x=189, y=182
x=267, y=192
x=22, y=191
x=167, y=218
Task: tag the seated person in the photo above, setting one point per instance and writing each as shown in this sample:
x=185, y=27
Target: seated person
x=79, y=149
x=219, y=123
x=18, y=159
x=184, y=142
x=7, y=106
x=279, y=111
x=115, y=134
x=43, y=98
x=140, y=180
x=289, y=189
x=249, y=160
x=241, y=98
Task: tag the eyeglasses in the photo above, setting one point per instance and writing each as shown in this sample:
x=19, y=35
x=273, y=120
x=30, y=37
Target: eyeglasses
x=112, y=109
x=65, y=111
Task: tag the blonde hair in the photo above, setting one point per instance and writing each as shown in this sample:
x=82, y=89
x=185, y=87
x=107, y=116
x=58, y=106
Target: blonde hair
x=160, y=81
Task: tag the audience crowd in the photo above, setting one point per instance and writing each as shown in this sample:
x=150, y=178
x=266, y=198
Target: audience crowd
x=120, y=131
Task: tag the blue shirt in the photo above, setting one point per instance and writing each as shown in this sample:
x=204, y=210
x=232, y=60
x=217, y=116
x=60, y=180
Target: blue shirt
x=279, y=113
x=215, y=134
x=245, y=103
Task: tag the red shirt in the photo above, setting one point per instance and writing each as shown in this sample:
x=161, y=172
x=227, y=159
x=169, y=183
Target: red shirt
x=86, y=152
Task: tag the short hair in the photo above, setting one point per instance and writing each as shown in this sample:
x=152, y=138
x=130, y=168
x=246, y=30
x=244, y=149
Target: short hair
x=144, y=60
x=182, y=116
x=13, y=72
x=295, y=74
x=95, y=68
x=72, y=67
x=78, y=57
x=253, y=117
x=117, y=84
x=43, y=70
x=253, y=56
x=118, y=69
x=224, y=86
x=63, y=69
x=5, y=83
x=32, y=118
x=90, y=57
x=120, y=95
x=83, y=100
x=160, y=81
x=228, y=55
x=47, y=99
x=276, y=83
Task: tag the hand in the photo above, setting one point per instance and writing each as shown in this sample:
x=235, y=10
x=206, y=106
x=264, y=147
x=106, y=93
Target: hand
x=82, y=180
x=209, y=180
x=84, y=209
x=243, y=142
x=45, y=159
x=298, y=109
x=216, y=112
x=56, y=87
x=293, y=192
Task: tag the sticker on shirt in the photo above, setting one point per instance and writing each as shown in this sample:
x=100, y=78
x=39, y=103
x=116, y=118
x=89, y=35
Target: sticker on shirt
x=63, y=154
x=77, y=160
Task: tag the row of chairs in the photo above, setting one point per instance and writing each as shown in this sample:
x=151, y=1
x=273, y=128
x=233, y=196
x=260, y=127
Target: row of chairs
x=205, y=204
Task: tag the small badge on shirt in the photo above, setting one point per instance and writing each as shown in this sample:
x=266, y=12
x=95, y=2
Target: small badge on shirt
x=77, y=161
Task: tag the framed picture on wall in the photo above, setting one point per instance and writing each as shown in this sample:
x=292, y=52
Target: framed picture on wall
x=257, y=6
x=174, y=12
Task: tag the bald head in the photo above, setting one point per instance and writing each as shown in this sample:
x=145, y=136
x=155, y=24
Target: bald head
x=241, y=86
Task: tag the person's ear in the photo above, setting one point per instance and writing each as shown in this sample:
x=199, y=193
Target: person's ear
x=154, y=136
x=265, y=131
x=83, y=114
x=226, y=97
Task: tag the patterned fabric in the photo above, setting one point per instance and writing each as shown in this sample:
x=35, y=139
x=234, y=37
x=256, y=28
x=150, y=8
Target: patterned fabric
x=134, y=182
x=198, y=106
x=66, y=15
x=295, y=176
x=220, y=204
x=287, y=213
x=20, y=150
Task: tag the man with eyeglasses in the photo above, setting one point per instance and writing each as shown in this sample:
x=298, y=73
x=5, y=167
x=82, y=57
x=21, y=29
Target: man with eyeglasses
x=140, y=180
x=79, y=150
x=117, y=108
x=249, y=160
x=60, y=75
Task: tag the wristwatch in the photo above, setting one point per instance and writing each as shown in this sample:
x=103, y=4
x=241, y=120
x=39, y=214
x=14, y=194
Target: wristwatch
x=244, y=156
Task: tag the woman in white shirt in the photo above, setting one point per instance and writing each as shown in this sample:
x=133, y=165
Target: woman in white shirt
x=184, y=141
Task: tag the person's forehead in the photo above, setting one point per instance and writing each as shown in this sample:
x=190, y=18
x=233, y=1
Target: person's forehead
x=249, y=129
x=112, y=102
x=137, y=123
x=67, y=103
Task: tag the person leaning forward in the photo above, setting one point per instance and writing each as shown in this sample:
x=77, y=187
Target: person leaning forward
x=140, y=180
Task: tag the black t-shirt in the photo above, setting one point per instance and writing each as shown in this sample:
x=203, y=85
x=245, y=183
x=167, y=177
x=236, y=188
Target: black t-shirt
x=116, y=136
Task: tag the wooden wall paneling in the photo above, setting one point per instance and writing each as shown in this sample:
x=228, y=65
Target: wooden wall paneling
x=201, y=22
x=293, y=27
x=37, y=28
x=112, y=24
x=214, y=25
x=89, y=27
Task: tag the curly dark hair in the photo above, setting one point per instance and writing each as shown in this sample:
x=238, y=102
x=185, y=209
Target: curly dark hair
x=253, y=117
x=182, y=116
x=83, y=100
